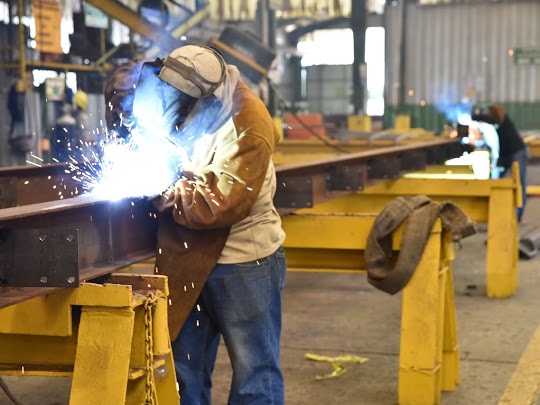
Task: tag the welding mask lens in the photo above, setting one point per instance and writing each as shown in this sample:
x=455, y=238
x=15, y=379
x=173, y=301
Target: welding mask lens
x=158, y=106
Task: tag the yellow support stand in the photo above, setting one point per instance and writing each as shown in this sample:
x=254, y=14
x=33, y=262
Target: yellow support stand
x=486, y=201
x=429, y=352
x=112, y=339
x=493, y=202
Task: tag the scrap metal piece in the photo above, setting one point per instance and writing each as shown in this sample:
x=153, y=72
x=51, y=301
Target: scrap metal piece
x=39, y=257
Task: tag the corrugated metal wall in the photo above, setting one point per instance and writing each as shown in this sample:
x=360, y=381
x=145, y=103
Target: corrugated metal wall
x=463, y=49
x=329, y=89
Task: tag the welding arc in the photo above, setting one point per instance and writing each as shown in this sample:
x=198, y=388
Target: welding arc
x=6, y=389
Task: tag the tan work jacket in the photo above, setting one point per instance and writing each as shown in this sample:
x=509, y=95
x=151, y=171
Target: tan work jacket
x=197, y=215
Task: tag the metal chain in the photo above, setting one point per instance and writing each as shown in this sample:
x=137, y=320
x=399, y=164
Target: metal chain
x=150, y=301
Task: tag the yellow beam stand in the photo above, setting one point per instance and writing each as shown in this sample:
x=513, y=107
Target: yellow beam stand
x=112, y=339
x=429, y=352
x=486, y=201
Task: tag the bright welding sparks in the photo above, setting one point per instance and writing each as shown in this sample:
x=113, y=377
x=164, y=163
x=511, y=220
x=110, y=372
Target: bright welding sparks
x=149, y=160
x=143, y=166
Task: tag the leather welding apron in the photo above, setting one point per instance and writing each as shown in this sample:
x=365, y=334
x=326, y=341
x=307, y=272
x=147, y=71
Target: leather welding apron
x=187, y=257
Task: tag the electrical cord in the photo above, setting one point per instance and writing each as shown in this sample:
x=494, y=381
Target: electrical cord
x=6, y=389
x=284, y=103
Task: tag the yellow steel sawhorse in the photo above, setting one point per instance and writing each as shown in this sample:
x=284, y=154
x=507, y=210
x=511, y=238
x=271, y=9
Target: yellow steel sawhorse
x=112, y=339
x=486, y=201
x=429, y=351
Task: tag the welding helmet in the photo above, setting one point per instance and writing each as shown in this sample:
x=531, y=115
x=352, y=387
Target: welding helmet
x=195, y=70
x=169, y=88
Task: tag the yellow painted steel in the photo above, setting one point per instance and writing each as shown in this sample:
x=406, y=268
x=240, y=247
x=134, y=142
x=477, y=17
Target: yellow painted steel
x=533, y=190
x=429, y=352
x=360, y=123
x=402, y=122
x=486, y=201
x=491, y=201
x=103, y=349
x=49, y=315
x=183, y=28
x=130, y=18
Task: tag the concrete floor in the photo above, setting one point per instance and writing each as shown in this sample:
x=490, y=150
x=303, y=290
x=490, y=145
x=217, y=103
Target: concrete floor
x=335, y=314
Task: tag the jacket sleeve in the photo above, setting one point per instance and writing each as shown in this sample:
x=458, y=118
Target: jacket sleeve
x=224, y=192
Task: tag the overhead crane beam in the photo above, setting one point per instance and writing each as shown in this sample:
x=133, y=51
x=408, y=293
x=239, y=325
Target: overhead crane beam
x=132, y=20
x=161, y=38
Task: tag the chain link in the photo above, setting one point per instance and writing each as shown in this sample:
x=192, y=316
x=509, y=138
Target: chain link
x=149, y=303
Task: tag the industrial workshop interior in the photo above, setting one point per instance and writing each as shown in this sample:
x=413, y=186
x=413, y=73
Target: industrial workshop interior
x=269, y=202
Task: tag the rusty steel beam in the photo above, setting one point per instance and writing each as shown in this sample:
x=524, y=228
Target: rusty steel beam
x=301, y=185
x=23, y=185
x=59, y=244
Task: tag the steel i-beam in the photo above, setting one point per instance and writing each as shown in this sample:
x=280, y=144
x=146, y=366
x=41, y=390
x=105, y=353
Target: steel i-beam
x=58, y=244
x=301, y=185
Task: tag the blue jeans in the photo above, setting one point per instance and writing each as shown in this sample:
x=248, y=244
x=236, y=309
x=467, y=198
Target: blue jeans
x=522, y=157
x=242, y=303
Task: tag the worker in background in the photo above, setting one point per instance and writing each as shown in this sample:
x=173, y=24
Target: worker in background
x=65, y=136
x=512, y=147
x=88, y=136
x=484, y=135
x=219, y=235
x=20, y=142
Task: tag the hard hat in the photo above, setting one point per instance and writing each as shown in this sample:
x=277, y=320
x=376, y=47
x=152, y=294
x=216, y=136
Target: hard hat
x=195, y=70
x=81, y=100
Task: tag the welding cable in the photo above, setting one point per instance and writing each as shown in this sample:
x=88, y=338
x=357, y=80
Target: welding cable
x=302, y=123
x=6, y=389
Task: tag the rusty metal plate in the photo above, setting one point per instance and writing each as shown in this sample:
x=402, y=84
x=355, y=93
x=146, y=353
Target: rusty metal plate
x=347, y=178
x=294, y=192
x=8, y=192
x=110, y=234
x=384, y=168
x=39, y=257
x=414, y=160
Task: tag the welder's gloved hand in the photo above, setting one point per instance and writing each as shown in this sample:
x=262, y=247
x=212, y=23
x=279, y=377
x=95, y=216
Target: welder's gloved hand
x=119, y=93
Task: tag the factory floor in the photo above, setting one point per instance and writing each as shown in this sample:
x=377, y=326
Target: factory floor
x=338, y=314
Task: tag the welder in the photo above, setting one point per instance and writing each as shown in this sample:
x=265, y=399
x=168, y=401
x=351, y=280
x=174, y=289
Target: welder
x=219, y=237
x=512, y=147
